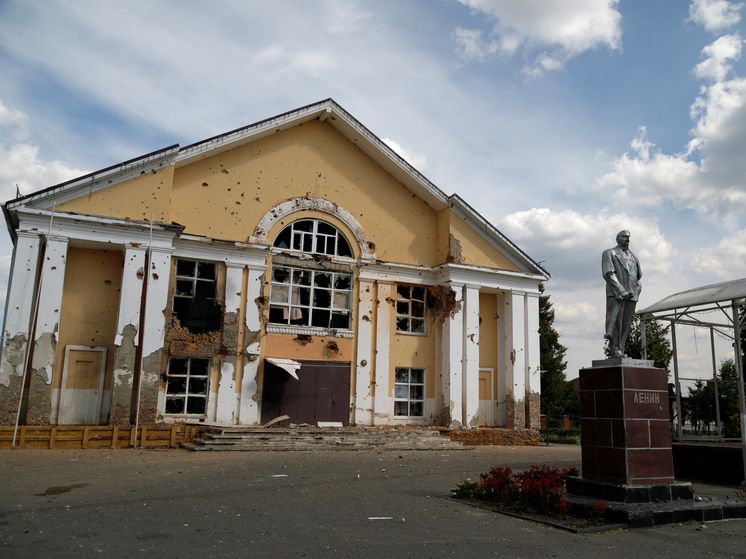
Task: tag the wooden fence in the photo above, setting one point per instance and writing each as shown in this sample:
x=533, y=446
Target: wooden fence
x=79, y=436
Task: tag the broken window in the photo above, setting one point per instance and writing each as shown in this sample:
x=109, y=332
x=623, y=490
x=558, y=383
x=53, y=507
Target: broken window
x=410, y=309
x=315, y=237
x=186, y=388
x=305, y=297
x=194, y=297
x=409, y=392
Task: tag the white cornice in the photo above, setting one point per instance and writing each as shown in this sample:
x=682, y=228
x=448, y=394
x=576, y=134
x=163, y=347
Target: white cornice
x=95, y=229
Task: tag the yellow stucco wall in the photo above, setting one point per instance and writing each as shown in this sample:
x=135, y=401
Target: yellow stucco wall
x=133, y=199
x=90, y=300
x=412, y=350
x=318, y=349
x=225, y=196
x=488, y=333
x=475, y=249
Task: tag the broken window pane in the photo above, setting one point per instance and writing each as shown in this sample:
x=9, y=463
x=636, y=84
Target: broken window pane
x=322, y=280
x=206, y=270
x=315, y=237
x=410, y=309
x=416, y=409
x=176, y=385
x=417, y=375
x=342, y=282
x=402, y=375
x=196, y=405
x=175, y=405
x=283, y=239
x=320, y=318
x=340, y=321
x=278, y=315
x=280, y=275
x=302, y=277
x=400, y=408
x=185, y=267
x=194, y=302
x=279, y=294
x=322, y=298
x=198, y=385
x=178, y=366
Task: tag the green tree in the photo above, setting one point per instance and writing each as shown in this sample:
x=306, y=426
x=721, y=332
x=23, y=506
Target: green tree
x=659, y=348
x=700, y=402
x=557, y=394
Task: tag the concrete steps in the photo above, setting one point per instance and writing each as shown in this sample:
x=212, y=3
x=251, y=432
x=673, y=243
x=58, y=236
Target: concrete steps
x=314, y=438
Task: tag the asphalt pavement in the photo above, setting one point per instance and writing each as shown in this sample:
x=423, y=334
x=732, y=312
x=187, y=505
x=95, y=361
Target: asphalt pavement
x=181, y=504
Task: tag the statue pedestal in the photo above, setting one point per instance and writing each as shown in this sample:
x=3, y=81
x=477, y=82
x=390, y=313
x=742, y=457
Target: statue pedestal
x=625, y=430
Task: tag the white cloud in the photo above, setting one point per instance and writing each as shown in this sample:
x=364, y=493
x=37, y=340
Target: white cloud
x=569, y=28
x=715, y=185
x=414, y=158
x=727, y=260
x=571, y=243
x=21, y=165
x=714, y=15
x=716, y=67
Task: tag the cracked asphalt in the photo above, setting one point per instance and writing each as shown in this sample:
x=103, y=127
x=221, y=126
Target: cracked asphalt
x=180, y=504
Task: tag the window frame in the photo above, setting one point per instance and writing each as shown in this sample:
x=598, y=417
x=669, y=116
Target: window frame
x=409, y=315
x=409, y=385
x=186, y=394
x=292, y=286
x=195, y=279
x=316, y=237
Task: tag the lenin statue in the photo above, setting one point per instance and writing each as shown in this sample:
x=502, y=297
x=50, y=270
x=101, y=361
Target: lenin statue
x=622, y=273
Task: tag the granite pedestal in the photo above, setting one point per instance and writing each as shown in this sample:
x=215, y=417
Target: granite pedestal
x=625, y=434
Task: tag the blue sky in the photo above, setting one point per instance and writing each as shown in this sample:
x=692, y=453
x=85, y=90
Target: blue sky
x=562, y=122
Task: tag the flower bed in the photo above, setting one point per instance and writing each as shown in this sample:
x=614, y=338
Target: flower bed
x=537, y=493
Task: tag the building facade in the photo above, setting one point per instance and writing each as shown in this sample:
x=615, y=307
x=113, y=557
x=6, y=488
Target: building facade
x=296, y=266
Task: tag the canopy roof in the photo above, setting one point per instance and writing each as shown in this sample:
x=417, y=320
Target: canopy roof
x=708, y=294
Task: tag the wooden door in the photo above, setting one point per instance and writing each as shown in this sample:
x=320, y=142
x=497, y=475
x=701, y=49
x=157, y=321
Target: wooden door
x=82, y=385
x=486, y=410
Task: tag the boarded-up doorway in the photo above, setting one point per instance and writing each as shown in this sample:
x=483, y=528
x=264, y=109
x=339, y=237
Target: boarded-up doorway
x=82, y=385
x=486, y=410
x=321, y=393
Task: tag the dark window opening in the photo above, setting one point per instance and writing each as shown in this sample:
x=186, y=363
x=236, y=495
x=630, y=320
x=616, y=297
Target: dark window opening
x=315, y=237
x=195, y=303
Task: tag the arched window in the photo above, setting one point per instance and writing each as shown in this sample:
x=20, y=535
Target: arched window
x=314, y=237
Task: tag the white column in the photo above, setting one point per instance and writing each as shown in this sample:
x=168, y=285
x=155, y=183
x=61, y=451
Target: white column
x=470, y=381
x=363, y=403
x=130, y=296
x=18, y=305
x=533, y=361
x=226, y=401
x=249, y=408
x=126, y=339
x=157, y=276
x=383, y=341
x=518, y=357
x=50, y=305
x=453, y=345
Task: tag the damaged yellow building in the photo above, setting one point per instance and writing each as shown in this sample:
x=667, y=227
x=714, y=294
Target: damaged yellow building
x=296, y=266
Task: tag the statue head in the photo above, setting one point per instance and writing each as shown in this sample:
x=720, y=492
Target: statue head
x=622, y=239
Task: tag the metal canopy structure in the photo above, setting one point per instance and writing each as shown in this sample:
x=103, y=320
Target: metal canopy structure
x=719, y=307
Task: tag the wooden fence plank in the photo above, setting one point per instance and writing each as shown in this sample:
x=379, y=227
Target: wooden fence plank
x=85, y=436
x=52, y=436
x=115, y=436
x=22, y=439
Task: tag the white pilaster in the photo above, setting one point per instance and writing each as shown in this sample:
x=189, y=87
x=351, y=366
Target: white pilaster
x=383, y=341
x=533, y=361
x=503, y=357
x=363, y=403
x=131, y=292
x=157, y=276
x=19, y=303
x=50, y=305
x=249, y=408
x=470, y=382
x=519, y=356
x=453, y=346
x=226, y=399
